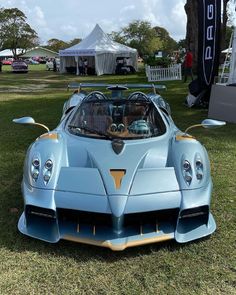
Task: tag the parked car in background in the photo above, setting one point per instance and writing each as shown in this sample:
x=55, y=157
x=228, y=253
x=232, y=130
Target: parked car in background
x=41, y=60
x=7, y=62
x=19, y=66
x=50, y=64
x=31, y=61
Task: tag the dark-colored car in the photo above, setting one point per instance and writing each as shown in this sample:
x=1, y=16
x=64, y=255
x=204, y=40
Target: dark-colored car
x=19, y=66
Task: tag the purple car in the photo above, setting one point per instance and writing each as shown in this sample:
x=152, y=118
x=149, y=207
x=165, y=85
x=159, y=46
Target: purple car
x=19, y=66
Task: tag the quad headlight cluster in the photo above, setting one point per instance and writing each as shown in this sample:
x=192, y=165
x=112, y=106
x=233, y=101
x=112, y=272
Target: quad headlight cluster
x=188, y=170
x=46, y=170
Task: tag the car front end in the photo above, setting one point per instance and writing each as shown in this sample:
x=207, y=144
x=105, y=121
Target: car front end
x=137, y=181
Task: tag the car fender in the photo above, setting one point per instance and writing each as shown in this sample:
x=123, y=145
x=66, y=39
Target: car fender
x=191, y=150
x=48, y=146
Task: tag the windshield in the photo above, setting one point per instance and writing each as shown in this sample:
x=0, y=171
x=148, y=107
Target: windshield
x=109, y=119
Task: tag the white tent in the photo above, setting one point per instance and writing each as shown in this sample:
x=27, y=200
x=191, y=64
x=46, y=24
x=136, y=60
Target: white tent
x=100, y=51
x=232, y=71
x=8, y=52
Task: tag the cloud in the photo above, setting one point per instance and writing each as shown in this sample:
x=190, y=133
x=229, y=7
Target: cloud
x=69, y=30
x=39, y=16
x=179, y=18
x=71, y=19
x=127, y=9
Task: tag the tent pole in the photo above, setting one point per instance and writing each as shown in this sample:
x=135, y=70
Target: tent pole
x=77, y=68
x=77, y=65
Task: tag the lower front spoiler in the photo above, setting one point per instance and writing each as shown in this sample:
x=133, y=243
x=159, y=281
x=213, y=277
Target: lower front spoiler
x=50, y=230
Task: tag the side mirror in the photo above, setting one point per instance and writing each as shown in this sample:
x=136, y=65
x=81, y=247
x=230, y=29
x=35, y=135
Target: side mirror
x=207, y=123
x=29, y=121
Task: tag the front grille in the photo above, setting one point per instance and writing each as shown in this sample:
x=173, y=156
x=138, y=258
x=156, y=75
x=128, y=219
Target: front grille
x=134, y=221
x=151, y=217
x=88, y=218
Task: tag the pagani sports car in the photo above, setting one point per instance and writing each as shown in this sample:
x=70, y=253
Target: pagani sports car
x=116, y=173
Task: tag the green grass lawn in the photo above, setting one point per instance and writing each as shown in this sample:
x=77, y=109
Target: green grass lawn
x=29, y=266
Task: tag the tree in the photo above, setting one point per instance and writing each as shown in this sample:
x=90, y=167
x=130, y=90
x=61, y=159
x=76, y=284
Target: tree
x=15, y=32
x=118, y=37
x=74, y=42
x=146, y=39
x=168, y=43
x=56, y=44
x=140, y=35
x=182, y=43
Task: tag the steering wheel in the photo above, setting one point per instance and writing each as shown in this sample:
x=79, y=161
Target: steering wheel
x=138, y=95
x=96, y=94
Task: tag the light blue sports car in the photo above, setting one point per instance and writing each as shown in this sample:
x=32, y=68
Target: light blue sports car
x=116, y=173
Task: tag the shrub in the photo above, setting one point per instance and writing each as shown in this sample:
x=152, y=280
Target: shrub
x=160, y=61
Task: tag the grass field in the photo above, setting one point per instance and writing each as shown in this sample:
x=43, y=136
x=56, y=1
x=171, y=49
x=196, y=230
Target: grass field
x=29, y=266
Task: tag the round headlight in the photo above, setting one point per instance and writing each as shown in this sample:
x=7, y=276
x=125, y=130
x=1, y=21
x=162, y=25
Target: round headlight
x=186, y=165
x=47, y=176
x=48, y=164
x=199, y=176
x=199, y=164
x=188, y=178
x=36, y=163
x=35, y=174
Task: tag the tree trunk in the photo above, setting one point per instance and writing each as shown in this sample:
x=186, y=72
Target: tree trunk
x=191, y=9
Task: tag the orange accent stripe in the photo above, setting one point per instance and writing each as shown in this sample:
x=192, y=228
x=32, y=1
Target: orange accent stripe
x=119, y=247
x=184, y=137
x=117, y=176
x=53, y=136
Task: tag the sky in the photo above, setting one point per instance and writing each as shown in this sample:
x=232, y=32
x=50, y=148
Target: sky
x=71, y=19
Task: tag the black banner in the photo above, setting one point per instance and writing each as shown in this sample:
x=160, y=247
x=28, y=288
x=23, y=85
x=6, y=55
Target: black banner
x=209, y=23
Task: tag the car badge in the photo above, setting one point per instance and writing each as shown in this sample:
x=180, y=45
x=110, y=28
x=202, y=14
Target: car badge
x=117, y=145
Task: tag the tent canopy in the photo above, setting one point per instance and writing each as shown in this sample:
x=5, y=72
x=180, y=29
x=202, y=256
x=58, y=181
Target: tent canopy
x=9, y=53
x=103, y=50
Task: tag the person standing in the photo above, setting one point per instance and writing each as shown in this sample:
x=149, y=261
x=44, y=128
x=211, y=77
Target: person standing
x=85, y=66
x=54, y=65
x=81, y=67
x=188, y=65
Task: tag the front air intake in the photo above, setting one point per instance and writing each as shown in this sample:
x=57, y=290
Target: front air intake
x=39, y=211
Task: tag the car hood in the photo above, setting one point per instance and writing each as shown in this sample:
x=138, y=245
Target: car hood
x=140, y=168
